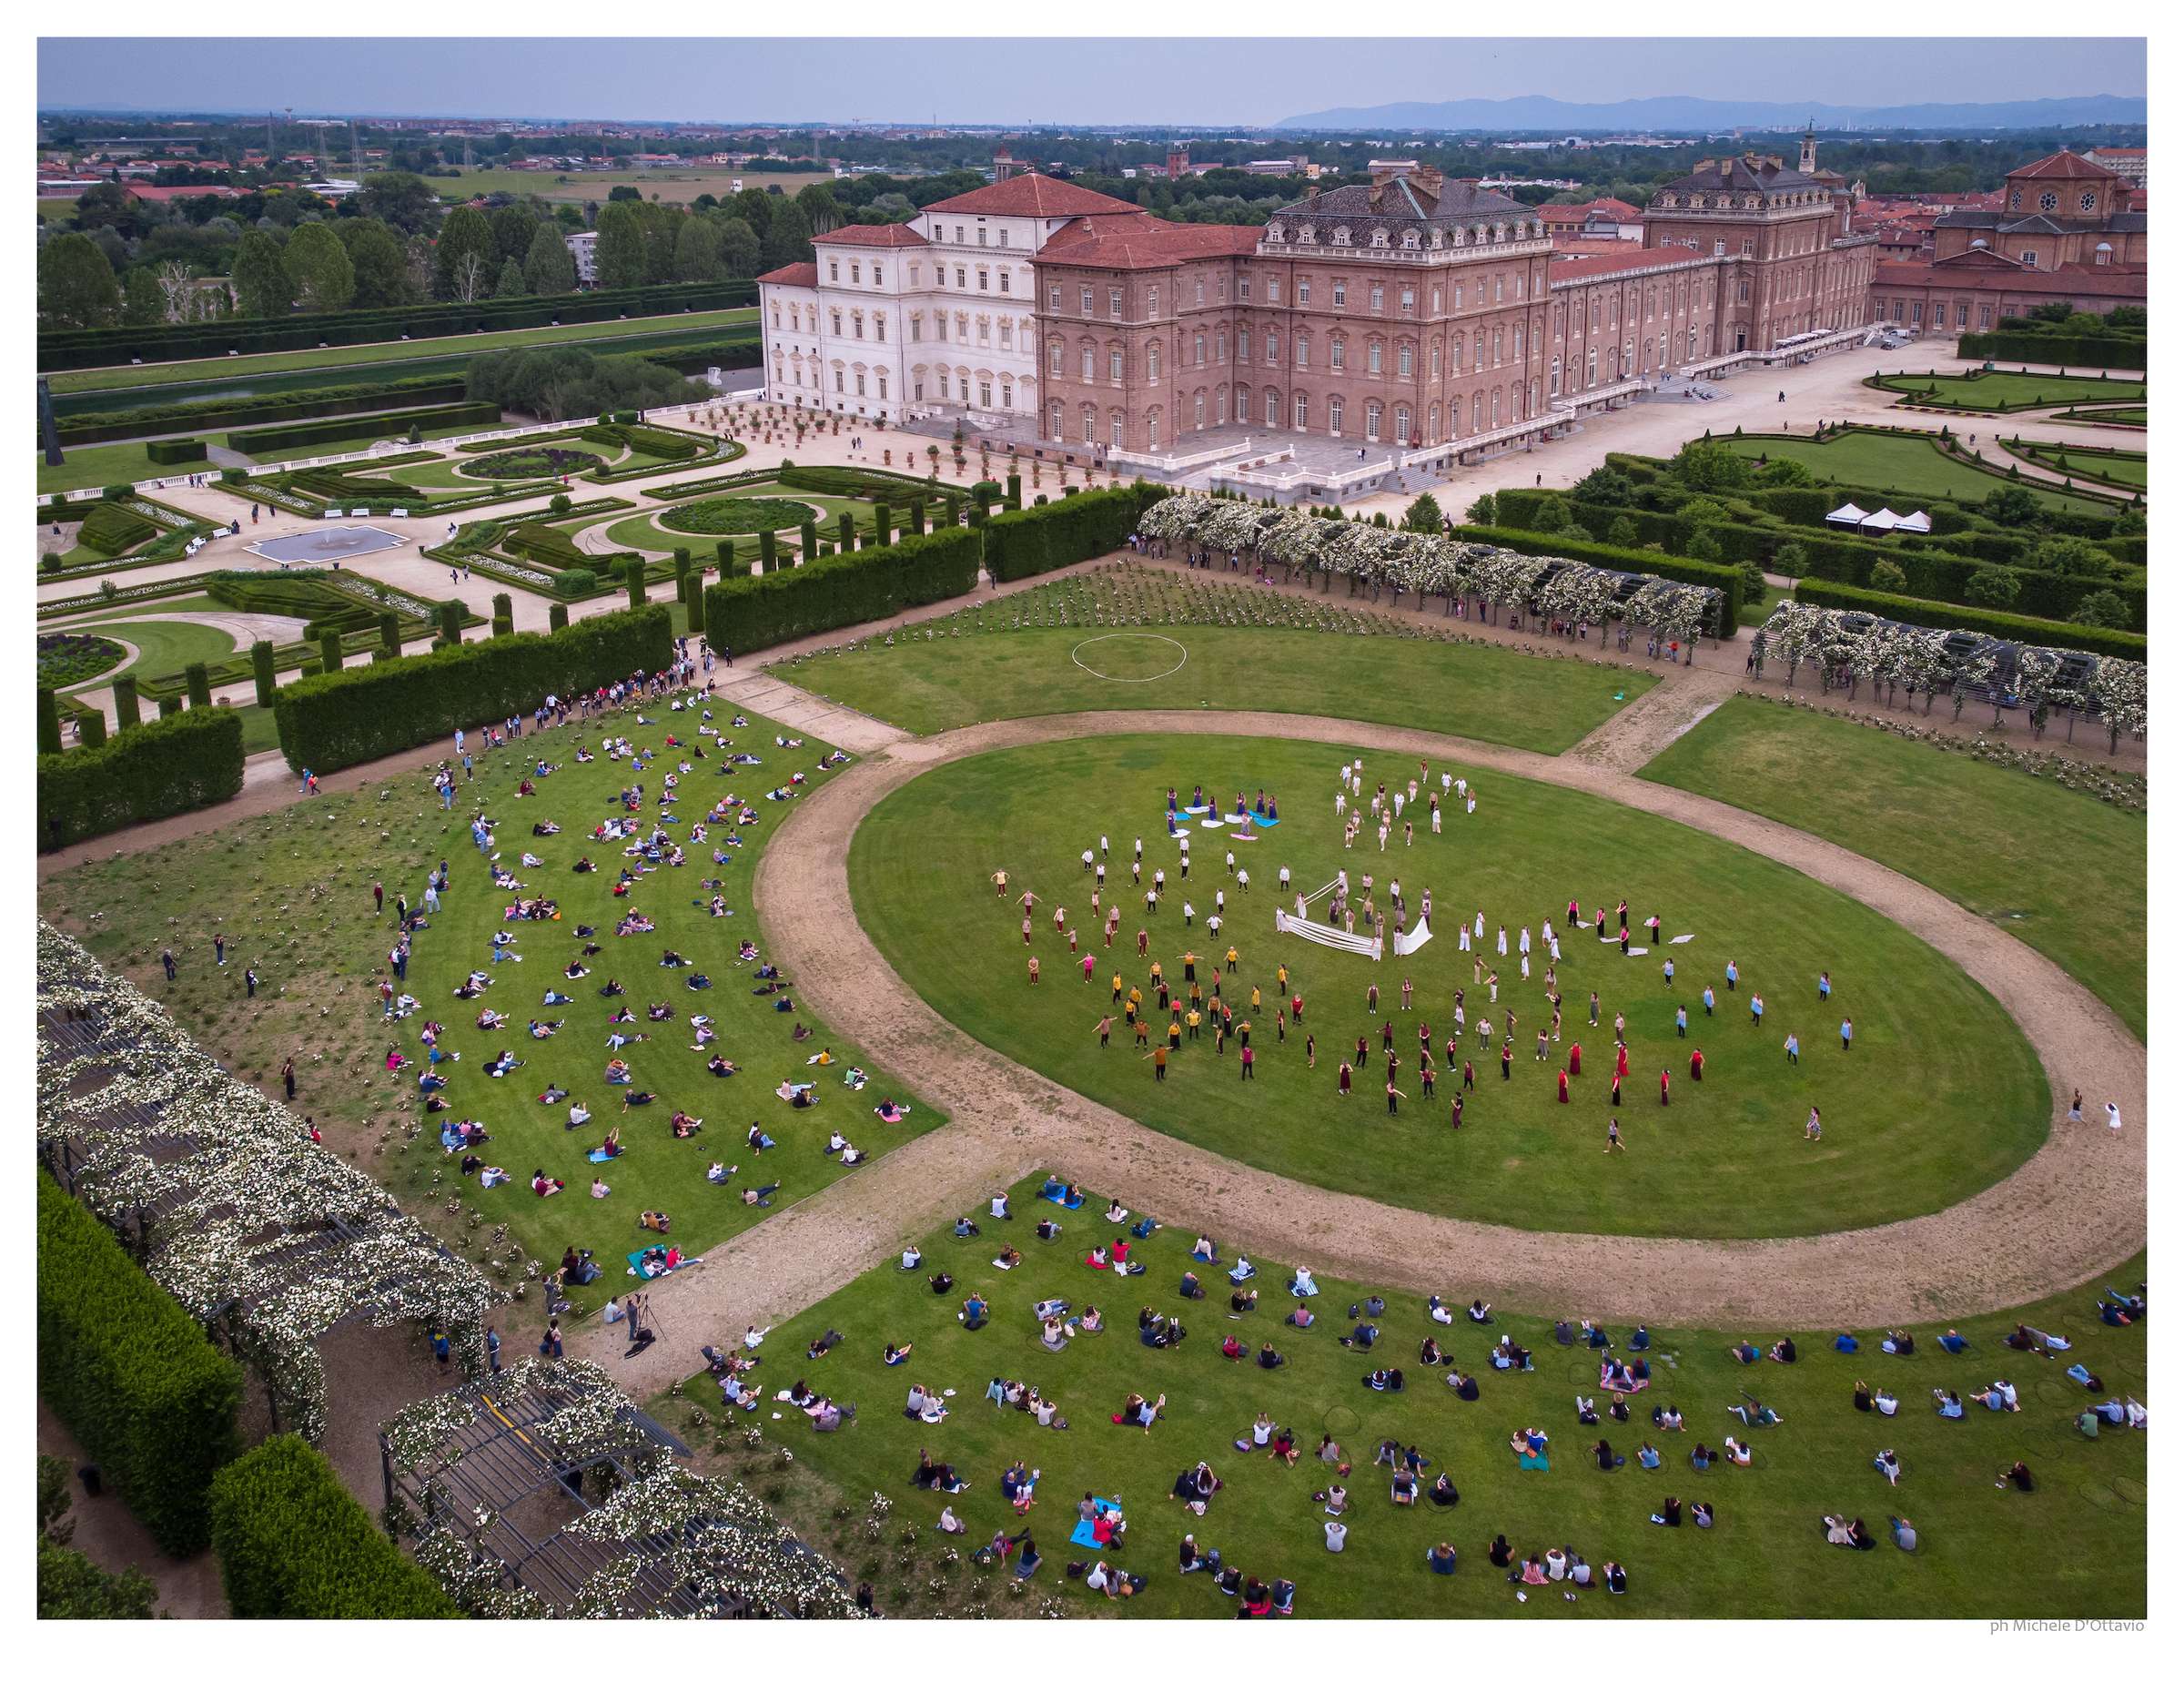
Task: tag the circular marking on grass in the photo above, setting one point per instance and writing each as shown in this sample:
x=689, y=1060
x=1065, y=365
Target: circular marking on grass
x=1182, y=655
x=2101, y=1495
x=2132, y=1490
x=1338, y=1419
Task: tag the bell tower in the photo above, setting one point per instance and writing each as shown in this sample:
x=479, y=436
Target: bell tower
x=1808, y=152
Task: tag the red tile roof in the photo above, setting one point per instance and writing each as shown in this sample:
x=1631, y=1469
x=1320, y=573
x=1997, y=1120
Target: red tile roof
x=1587, y=260
x=2112, y=282
x=2062, y=166
x=1033, y=194
x=1614, y=209
x=1142, y=241
x=886, y=234
x=794, y=274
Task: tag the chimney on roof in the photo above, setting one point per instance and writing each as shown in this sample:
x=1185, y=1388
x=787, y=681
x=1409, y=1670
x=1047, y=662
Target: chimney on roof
x=1727, y=163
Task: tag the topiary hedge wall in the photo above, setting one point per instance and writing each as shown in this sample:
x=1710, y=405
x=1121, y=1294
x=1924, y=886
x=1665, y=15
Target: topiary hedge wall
x=174, y=452
x=175, y=764
x=347, y=717
x=266, y=439
x=1060, y=533
x=744, y=614
x=2058, y=350
x=137, y=1380
x=292, y=1542
x=2009, y=626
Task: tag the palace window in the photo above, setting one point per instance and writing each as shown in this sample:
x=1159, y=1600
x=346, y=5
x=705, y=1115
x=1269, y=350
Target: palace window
x=1152, y=361
x=1300, y=416
x=1372, y=356
x=1243, y=288
x=1197, y=411
x=984, y=280
x=1304, y=350
x=1379, y=295
x=856, y=323
x=860, y=382
x=837, y=379
x=1407, y=300
x=1090, y=420
x=1152, y=301
x=1436, y=352
x=879, y=327
x=1008, y=333
x=1115, y=431
x=1053, y=420
x=1334, y=416
x=1221, y=346
x=1008, y=394
x=1304, y=293
x=836, y=315
x=1341, y=293
x=1403, y=424
x=1115, y=302
x=985, y=330
x=1086, y=359
x=1152, y=430
x=1054, y=298
x=1273, y=291
x=985, y=393
x=1336, y=352
x=883, y=376
x=1402, y=361
x=1115, y=366
x=1273, y=407
x=1053, y=358
x=1199, y=292
x=1220, y=407
x=960, y=283
x=1083, y=299
x=833, y=269
x=1372, y=422
x=1197, y=349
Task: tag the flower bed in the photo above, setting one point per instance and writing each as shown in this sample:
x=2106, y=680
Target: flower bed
x=735, y=516
x=69, y=658
x=531, y=463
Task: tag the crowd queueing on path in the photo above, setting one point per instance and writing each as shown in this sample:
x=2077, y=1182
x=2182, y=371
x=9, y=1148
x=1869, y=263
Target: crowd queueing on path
x=642, y=847
x=1181, y=983
x=1327, y=1497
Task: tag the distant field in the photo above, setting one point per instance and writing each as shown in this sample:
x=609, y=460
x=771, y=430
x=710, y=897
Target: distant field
x=669, y=186
x=457, y=347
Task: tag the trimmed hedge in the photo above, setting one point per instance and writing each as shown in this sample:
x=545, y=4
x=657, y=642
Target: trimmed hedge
x=109, y=346
x=1076, y=527
x=137, y=1380
x=302, y=435
x=348, y=717
x=2009, y=626
x=293, y=1542
x=174, y=452
x=2062, y=349
x=176, y=765
x=667, y=445
x=1556, y=545
x=413, y=393
x=745, y=613
x=112, y=529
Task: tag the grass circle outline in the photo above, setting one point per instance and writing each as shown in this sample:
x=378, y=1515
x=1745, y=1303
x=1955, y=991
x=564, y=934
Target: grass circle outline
x=1131, y=636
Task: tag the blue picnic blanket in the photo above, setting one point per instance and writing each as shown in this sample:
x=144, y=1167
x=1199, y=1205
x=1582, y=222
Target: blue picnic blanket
x=600, y=1155
x=1264, y=823
x=1082, y=1534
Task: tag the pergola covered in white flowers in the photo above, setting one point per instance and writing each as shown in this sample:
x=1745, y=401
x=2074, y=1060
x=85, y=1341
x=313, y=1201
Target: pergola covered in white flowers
x=267, y=1236
x=1424, y=564
x=543, y=1490
x=1851, y=648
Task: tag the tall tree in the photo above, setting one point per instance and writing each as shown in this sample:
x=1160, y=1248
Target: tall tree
x=375, y=257
x=261, y=280
x=403, y=201
x=740, y=254
x=178, y=294
x=463, y=261
x=548, y=267
x=510, y=283
x=698, y=250
x=75, y=283
x=755, y=206
x=142, y=303
x=512, y=224
x=319, y=271
x=820, y=208
x=619, y=260
x=789, y=236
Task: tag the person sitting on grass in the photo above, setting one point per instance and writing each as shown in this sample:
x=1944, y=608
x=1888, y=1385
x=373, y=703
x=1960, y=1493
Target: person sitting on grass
x=1139, y=1412
x=544, y=1187
x=1744, y=1353
x=1999, y=1396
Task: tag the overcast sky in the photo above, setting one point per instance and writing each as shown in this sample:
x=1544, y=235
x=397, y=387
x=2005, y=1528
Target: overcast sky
x=1051, y=81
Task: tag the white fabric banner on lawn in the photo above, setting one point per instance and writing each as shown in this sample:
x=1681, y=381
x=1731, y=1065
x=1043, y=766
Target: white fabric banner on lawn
x=1405, y=944
x=1305, y=928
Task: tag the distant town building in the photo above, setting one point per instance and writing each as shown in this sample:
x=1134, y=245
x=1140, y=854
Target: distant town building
x=584, y=250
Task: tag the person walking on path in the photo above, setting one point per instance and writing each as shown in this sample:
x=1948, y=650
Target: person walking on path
x=1846, y=1031
x=1615, y=1137
x=250, y=983
x=288, y=1078
x=167, y=961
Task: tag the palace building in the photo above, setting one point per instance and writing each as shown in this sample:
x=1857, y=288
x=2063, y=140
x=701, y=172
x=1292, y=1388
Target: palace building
x=1392, y=319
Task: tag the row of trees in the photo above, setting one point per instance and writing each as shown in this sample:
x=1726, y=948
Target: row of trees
x=94, y=277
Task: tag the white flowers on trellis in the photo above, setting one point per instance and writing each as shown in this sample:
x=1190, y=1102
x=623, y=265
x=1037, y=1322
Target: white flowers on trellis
x=1426, y=563
x=232, y=1165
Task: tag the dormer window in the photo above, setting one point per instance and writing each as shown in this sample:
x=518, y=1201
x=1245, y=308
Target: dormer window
x=2085, y=201
x=1341, y=236
x=1379, y=238
x=1410, y=239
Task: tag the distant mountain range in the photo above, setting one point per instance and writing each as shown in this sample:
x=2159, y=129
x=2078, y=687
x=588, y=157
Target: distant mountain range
x=1537, y=113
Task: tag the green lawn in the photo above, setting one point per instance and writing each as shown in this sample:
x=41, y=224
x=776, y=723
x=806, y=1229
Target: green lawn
x=1228, y=646
x=1908, y=466
x=644, y=531
x=2114, y=417
x=2120, y=466
x=669, y=186
x=292, y=892
x=2075, y=1546
x=1977, y=392
x=1754, y=613
x=164, y=645
x=919, y=870
x=398, y=349
x=2062, y=871
x=86, y=465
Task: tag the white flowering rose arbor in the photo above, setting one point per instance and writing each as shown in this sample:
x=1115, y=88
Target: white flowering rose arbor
x=1853, y=648
x=270, y=1238
x=1424, y=564
x=464, y=1472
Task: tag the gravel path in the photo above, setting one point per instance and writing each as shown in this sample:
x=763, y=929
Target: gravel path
x=2078, y=1207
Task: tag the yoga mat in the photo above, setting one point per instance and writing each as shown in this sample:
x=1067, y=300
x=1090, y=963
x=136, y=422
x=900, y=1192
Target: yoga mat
x=1681, y=939
x=1210, y=822
x=600, y=1155
x=1264, y=823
